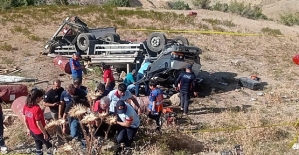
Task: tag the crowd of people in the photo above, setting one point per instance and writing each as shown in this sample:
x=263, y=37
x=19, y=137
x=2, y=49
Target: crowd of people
x=117, y=102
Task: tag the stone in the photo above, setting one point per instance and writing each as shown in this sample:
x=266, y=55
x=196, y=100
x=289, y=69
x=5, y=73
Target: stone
x=175, y=99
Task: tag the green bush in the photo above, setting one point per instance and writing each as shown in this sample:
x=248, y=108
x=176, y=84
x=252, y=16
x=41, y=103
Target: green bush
x=240, y=8
x=248, y=11
x=202, y=4
x=220, y=7
x=179, y=5
x=7, y=4
x=118, y=3
x=269, y=31
x=290, y=19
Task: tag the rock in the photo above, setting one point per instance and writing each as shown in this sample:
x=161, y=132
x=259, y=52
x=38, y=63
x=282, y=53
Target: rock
x=175, y=99
x=260, y=94
x=253, y=99
x=295, y=146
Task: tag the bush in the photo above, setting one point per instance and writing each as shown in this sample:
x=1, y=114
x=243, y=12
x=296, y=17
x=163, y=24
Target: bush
x=269, y=31
x=179, y=5
x=220, y=7
x=202, y=4
x=247, y=11
x=118, y=3
x=290, y=19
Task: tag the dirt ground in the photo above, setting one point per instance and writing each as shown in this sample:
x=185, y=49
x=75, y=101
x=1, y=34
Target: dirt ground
x=225, y=58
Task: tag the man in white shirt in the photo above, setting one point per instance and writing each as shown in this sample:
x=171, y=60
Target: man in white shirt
x=128, y=124
x=121, y=93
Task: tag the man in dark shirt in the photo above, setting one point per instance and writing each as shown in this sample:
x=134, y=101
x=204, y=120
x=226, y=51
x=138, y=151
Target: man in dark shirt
x=52, y=100
x=74, y=96
x=186, y=82
x=78, y=84
x=102, y=91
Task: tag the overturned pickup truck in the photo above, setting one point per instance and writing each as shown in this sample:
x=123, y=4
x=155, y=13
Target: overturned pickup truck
x=169, y=56
x=173, y=59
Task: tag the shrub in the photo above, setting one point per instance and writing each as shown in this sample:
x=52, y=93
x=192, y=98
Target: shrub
x=118, y=3
x=248, y=11
x=269, y=31
x=202, y=4
x=220, y=7
x=290, y=19
x=179, y=5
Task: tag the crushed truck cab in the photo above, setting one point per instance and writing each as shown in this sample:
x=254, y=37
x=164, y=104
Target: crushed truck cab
x=171, y=62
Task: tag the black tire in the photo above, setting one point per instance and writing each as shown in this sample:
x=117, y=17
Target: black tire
x=83, y=40
x=156, y=41
x=181, y=40
x=111, y=37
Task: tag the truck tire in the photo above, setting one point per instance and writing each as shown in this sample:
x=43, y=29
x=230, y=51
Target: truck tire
x=83, y=40
x=181, y=40
x=111, y=37
x=155, y=41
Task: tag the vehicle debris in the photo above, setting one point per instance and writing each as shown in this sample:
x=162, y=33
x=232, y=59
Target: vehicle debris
x=9, y=93
x=104, y=45
x=12, y=79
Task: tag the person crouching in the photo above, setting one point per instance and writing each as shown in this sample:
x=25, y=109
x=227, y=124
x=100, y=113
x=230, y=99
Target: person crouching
x=128, y=124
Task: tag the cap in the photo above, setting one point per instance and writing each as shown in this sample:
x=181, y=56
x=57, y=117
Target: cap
x=189, y=66
x=78, y=54
x=102, y=64
x=121, y=107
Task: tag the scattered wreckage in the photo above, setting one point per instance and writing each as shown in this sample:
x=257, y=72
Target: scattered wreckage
x=168, y=56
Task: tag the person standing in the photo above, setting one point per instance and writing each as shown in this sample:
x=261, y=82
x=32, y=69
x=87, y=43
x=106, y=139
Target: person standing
x=108, y=77
x=186, y=84
x=52, y=100
x=156, y=106
x=35, y=121
x=3, y=148
x=128, y=124
x=140, y=75
x=76, y=67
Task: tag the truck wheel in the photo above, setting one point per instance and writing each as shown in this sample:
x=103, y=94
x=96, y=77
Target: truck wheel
x=83, y=40
x=111, y=37
x=181, y=40
x=155, y=41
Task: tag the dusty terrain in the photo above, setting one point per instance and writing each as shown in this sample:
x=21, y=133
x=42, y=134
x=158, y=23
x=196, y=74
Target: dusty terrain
x=223, y=106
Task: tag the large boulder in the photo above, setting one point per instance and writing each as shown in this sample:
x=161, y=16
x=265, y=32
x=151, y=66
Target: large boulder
x=175, y=99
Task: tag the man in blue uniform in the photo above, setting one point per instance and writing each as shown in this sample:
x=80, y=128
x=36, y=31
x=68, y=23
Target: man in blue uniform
x=186, y=84
x=140, y=75
x=76, y=67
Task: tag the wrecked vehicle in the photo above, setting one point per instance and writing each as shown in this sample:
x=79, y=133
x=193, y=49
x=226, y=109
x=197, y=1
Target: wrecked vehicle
x=173, y=59
x=169, y=56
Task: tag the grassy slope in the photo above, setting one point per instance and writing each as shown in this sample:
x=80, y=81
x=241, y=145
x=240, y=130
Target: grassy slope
x=25, y=31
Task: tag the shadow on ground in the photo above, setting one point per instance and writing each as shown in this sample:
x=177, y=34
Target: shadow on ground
x=218, y=82
x=207, y=110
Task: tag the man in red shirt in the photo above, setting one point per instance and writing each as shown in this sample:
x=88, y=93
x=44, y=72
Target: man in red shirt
x=108, y=77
